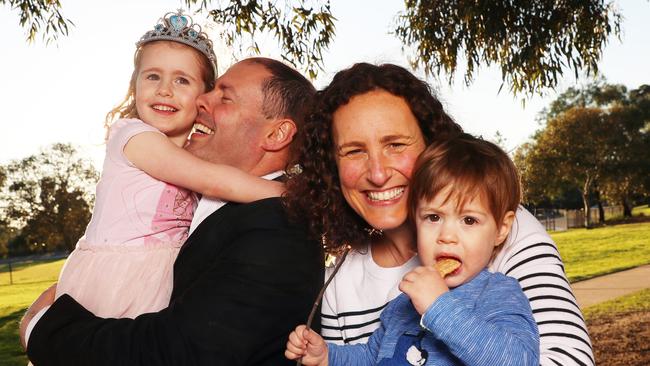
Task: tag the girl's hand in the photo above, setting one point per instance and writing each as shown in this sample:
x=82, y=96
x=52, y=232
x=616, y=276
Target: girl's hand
x=423, y=285
x=307, y=345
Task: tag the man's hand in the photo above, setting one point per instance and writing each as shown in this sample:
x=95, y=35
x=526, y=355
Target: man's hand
x=308, y=346
x=423, y=285
x=45, y=299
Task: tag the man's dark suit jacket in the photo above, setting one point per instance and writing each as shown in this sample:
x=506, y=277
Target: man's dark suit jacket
x=243, y=280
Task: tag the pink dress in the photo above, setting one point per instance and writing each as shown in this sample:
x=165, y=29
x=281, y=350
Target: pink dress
x=123, y=266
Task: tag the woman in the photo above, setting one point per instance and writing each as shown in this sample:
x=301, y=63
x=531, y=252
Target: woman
x=361, y=142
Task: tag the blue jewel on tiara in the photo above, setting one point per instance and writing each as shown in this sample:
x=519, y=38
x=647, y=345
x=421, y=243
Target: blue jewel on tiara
x=178, y=22
x=178, y=27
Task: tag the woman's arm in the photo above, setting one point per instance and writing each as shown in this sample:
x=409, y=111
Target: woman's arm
x=160, y=158
x=531, y=257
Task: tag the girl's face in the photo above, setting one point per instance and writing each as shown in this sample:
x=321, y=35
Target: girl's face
x=167, y=85
x=377, y=140
x=468, y=233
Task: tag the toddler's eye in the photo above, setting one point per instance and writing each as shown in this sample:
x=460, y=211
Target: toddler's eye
x=152, y=77
x=182, y=81
x=432, y=218
x=469, y=220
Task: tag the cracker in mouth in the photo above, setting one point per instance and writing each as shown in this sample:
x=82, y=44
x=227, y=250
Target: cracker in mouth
x=446, y=266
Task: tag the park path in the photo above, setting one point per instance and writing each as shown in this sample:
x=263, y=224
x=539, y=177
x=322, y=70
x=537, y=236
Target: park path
x=611, y=286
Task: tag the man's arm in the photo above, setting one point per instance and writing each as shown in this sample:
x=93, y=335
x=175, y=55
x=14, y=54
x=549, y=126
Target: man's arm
x=239, y=311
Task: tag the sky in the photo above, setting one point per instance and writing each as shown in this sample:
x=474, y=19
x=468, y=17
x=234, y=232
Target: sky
x=61, y=92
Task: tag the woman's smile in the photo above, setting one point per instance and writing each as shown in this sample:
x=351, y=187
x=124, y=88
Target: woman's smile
x=388, y=196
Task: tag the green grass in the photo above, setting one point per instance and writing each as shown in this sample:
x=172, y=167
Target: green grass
x=594, y=252
x=641, y=210
x=29, y=281
x=638, y=301
x=28, y=272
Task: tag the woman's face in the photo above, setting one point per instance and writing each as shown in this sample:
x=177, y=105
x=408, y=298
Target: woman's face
x=377, y=140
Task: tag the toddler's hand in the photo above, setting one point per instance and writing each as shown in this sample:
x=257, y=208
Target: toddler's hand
x=308, y=345
x=423, y=285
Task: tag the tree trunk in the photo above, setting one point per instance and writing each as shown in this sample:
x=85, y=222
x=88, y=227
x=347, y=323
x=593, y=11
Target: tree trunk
x=585, y=200
x=627, y=209
x=601, y=210
x=585, y=204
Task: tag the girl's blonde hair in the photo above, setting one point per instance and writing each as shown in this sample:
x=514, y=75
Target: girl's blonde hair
x=127, y=108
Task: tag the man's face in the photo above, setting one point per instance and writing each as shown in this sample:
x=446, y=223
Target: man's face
x=230, y=124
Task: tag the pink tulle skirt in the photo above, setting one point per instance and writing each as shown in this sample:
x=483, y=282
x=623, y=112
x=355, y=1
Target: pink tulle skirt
x=119, y=281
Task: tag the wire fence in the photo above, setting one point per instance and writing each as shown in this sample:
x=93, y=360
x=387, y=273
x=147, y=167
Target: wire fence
x=562, y=220
x=30, y=269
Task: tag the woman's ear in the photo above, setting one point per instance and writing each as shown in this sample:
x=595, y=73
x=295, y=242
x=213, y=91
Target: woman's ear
x=280, y=135
x=504, y=227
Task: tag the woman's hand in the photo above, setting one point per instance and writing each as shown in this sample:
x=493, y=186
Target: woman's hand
x=308, y=346
x=423, y=285
x=45, y=299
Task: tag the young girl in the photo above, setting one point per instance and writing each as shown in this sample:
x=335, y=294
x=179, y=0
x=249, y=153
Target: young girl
x=123, y=265
x=464, y=193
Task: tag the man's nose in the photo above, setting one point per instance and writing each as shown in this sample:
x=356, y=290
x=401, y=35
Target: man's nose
x=204, y=101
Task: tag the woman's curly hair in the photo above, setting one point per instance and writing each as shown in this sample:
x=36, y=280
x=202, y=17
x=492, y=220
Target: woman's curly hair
x=314, y=195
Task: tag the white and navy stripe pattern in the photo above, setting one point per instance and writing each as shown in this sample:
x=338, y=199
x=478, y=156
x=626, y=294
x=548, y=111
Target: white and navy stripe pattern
x=354, y=300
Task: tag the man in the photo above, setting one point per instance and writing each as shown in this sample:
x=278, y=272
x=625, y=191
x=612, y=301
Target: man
x=245, y=276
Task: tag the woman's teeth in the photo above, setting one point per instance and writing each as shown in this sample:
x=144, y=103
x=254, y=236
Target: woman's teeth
x=386, y=195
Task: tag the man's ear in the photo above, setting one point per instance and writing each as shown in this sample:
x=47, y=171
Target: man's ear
x=504, y=227
x=280, y=135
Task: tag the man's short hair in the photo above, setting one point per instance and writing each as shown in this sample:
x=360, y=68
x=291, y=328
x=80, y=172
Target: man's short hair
x=287, y=93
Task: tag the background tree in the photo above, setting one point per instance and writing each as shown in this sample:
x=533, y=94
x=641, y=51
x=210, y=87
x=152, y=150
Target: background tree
x=627, y=175
x=567, y=152
x=531, y=41
x=629, y=115
x=40, y=17
x=48, y=198
x=599, y=136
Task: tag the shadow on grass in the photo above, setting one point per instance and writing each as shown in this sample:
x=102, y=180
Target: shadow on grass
x=11, y=353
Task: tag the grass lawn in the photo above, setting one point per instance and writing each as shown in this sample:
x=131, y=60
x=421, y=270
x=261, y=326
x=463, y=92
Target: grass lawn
x=29, y=281
x=594, y=252
x=638, y=301
x=641, y=210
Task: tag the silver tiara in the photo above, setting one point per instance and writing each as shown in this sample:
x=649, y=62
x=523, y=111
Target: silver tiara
x=179, y=27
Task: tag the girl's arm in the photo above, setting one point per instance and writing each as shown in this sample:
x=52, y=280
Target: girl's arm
x=157, y=156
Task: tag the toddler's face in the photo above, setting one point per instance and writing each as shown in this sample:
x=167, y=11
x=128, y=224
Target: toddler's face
x=468, y=234
x=167, y=85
